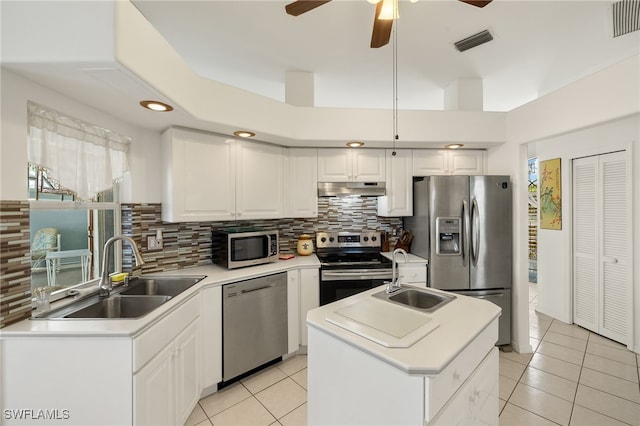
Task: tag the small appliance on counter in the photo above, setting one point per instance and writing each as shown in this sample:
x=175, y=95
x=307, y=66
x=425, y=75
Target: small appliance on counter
x=239, y=247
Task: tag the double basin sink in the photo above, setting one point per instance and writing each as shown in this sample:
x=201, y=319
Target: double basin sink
x=140, y=297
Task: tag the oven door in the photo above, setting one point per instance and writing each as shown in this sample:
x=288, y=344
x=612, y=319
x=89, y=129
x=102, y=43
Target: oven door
x=336, y=284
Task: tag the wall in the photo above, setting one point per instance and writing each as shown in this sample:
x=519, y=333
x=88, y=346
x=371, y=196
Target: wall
x=585, y=108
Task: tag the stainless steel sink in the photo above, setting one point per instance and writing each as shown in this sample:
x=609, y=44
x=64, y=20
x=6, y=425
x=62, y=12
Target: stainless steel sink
x=160, y=286
x=120, y=307
x=420, y=299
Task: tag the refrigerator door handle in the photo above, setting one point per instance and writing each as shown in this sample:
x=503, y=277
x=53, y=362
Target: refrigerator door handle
x=465, y=232
x=475, y=243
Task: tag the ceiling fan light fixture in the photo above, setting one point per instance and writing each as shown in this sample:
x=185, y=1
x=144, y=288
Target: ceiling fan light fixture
x=389, y=10
x=156, y=106
x=244, y=134
x=373, y=1
x=355, y=144
x=454, y=146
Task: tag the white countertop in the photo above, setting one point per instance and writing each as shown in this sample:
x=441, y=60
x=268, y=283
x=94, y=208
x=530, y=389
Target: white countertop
x=215, y=276
x=411, y=258
x=460, y=321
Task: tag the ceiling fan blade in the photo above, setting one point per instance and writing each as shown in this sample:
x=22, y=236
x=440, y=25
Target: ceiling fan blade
x=476, y=3
x=381, y=29
x=302, y=6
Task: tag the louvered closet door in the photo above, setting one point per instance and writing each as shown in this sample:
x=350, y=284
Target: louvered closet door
x=602, y=245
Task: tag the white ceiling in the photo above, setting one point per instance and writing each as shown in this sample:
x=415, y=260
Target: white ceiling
x=538, y=46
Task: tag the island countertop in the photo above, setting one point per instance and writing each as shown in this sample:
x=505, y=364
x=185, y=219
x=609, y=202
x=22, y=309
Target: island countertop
x=460, y=322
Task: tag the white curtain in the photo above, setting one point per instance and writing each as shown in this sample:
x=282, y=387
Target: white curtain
x=82, y=157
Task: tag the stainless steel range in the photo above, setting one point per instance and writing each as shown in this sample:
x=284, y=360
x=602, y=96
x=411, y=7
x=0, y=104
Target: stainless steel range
x=350, y=263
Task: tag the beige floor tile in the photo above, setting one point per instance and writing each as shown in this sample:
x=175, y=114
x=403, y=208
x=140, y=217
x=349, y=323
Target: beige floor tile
x=614, y=368
x=566, y=341
x=541, y=403
x=611, y=384
x=293, y=364
x=511, y=369
x=263, y=379
x=561, y=352
x=246, y=413
x=516, y=416
x=197, y=416
x=550, y=383
x=537, y=333
x=605, y=351
x=301, y=378
x=297, y=417
x=569, y=330
x=596, y=338
x=283, y=397
x=505, y=387
x=276, y=424
x=501, y=404
x=555, y=366
x=516, y=357
x=584, y=417
x=609, y=405
x=223, y=399
x=534, y=343
x=206, y=422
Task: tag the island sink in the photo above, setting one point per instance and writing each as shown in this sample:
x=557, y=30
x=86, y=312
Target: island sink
x=420, y=299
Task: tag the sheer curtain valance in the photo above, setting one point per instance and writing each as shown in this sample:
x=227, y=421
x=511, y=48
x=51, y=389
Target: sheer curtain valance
x=82, y=157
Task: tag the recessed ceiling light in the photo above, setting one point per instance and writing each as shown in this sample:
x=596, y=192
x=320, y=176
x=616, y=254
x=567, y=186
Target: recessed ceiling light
x=454, y=146
x=355, y=144
x=244, y=134
x=156, y=106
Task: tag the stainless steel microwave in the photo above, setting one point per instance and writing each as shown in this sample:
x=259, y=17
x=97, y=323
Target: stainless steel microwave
x=239, y=247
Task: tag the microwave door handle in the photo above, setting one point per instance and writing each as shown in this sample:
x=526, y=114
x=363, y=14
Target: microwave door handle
x=269, y=256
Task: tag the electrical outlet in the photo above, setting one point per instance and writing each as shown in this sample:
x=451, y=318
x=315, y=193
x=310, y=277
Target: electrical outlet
x=153, y=243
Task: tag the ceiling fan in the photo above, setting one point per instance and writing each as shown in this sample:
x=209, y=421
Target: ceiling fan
x=381, y=25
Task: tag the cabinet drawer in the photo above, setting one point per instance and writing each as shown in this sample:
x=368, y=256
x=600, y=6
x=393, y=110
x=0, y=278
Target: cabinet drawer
x=440, y=388
x=149, y=343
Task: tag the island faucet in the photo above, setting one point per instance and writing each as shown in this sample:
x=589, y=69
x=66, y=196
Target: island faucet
x=394, y=284
x=104, y=286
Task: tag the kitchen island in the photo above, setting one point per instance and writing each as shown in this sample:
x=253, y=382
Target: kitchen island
x=448, y=376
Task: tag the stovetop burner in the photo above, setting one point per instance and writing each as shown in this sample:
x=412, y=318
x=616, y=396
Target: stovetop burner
x=350, y=250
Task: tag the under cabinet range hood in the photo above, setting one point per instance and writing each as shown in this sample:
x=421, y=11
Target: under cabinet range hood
x=340, y=189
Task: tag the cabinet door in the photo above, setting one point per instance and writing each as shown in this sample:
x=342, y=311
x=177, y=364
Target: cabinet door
x=293, y=309
x=334, y=165
x=368, y=165
x=302, y=183
x=309, y=298
x=399, y=198
x=428, y=162
x=153, y=389
x=466, y=162
x=187, y=369
x=199, y=177
x=260, y=181
x=211, y=336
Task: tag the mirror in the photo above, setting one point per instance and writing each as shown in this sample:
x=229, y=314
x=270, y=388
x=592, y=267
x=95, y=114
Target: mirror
x=67, y=241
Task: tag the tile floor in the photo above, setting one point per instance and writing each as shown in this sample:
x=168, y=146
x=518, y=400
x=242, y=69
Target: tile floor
x=574, y=377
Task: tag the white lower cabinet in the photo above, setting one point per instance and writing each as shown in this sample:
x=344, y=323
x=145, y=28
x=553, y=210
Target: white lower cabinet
x=412, y=274
x=309, y=298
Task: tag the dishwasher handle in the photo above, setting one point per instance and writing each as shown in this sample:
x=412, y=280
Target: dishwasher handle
x=256, y=289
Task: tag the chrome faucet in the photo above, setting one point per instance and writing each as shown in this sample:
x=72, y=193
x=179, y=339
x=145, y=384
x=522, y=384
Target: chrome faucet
x=394, y=284
x=104, y=286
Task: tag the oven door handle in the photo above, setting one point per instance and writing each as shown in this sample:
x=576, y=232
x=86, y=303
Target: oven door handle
x=351, y=275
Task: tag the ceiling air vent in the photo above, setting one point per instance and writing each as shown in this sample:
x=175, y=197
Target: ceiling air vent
x=473, y=41
x=626, y=17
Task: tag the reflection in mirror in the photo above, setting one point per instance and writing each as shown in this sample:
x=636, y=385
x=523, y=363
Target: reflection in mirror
x=67, y=240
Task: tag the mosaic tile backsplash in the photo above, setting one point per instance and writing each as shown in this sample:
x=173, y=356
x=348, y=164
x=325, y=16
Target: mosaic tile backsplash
x=189, y=244
x=15, y=266
x=184, y=244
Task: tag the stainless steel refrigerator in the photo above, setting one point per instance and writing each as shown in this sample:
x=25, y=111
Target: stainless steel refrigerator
x=462, y=225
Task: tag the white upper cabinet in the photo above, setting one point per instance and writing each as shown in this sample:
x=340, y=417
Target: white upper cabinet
x=199, y=176
x=351, y=165
x=212, y=178
x=427, y=162
x=302, y=183
x=260, y=181
x=398, y=200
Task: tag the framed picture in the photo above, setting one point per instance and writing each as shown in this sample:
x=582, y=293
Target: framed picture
x=550, y=203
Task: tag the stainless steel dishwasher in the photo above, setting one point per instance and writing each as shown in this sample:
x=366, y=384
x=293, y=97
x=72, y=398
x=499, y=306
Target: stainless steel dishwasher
x=254, y=323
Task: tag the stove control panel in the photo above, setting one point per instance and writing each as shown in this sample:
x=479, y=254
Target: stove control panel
x=348, y=239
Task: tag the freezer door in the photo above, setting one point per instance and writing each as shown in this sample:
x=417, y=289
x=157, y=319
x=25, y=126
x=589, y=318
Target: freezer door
x=448, y=206
x=491, y=232
x=501, y=298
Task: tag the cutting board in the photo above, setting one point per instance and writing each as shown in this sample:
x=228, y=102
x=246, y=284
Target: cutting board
x=382, y=322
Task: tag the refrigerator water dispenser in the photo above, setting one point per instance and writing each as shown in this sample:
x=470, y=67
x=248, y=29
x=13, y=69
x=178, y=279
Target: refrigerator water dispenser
x=448, y=232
